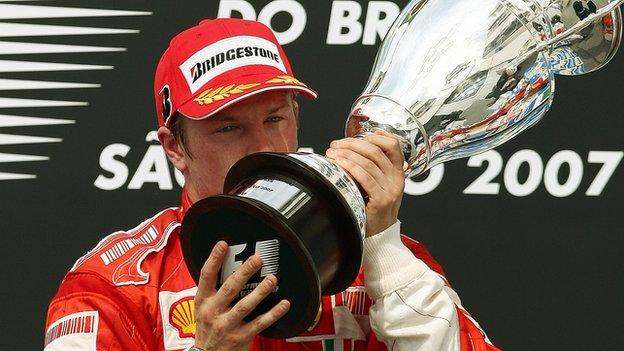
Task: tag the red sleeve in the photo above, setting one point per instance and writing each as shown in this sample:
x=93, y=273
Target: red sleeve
x=256, y=345
x=471, y=336
x=89, y=314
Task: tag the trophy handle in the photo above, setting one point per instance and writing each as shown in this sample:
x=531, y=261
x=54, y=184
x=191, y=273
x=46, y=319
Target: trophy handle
x=585, y=35
x=369, y=113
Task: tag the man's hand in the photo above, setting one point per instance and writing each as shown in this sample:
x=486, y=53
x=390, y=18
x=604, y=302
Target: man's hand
x=376, y=163
x=220, y=326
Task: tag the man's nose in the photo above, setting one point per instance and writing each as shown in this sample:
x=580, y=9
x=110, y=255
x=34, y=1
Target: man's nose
x=260, y=141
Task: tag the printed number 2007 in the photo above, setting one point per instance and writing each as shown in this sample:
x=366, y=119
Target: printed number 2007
x=549, y=174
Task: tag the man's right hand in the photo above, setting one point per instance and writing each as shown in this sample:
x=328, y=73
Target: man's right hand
x=221, y=326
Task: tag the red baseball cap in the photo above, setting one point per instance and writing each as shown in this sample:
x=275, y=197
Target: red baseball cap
x=218, y=62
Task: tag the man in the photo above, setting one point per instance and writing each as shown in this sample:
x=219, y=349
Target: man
x=224, y=89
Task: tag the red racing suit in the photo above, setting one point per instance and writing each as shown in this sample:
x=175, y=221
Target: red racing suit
x=133, y=292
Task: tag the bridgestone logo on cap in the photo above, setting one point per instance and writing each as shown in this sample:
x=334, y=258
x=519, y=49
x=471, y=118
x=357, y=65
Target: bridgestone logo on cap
x=226, y=55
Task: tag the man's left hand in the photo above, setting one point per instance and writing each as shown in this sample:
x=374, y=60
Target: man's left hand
x=376, y=163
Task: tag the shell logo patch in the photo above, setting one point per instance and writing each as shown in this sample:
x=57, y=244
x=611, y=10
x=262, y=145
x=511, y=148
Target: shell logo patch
x=177, y=312
x=182, y=317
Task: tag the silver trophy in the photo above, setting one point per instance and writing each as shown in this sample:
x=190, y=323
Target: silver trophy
x=452, y=78
x=455, y=78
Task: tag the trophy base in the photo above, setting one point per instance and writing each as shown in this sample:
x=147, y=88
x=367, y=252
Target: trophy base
x=283, y=210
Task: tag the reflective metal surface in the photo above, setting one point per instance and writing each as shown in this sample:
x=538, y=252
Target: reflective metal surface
x=341, y=180
x=281, y=196
x=454, y=78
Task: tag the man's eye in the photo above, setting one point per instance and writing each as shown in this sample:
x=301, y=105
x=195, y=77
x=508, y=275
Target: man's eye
x=274, y=119
x=227, y=129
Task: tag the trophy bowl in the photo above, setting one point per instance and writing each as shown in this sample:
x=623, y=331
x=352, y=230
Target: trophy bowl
x=481, y=75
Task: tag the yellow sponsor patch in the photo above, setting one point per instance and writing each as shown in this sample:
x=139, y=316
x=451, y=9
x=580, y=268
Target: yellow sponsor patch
x=182, y=317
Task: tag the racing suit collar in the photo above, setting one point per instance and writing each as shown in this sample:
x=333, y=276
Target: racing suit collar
x=185, y=204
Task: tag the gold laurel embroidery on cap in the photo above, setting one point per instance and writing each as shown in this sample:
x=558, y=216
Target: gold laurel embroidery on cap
x=286, y=80
x=215, y=94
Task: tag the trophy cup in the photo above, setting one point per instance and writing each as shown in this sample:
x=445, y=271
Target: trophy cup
x=452, y=78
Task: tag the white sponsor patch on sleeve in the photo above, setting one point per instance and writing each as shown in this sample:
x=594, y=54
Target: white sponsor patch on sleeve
x=74, y=332
x=229, y=54
x=177, y=310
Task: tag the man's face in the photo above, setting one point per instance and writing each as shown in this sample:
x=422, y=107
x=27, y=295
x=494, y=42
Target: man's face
x=266, y=122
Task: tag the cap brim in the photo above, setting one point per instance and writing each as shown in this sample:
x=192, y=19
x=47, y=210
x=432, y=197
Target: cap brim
x=212, y=100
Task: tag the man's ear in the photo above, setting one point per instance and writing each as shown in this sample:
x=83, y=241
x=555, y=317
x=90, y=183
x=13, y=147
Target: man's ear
x=173, y=149
x=296, y=111
x=295, y=107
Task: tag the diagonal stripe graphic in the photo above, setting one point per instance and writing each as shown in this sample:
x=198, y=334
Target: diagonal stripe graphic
x=15, y=176
x=10, y=11
x=29, y=30
x=15, y=9
x=10, y=139
x=31, y=66
x=19, y=103
x=14, y=48
x=21, y=121
x=19, y=84
x=21, y=158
